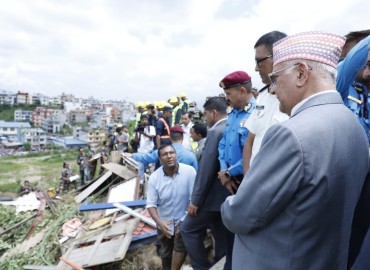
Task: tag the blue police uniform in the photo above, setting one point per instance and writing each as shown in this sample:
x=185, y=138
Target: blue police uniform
x=230, y=148
x=354, y=94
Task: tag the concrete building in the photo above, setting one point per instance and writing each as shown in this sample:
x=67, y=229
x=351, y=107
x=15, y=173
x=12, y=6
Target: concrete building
x=44, y=100
x=91, y=136
x=51, y=125
x=80, y=116
x=7, y=98
x=23, y=98
x=11, y=129
x=22, y=115
x=40, y=114
x=68, y=142
x=35, y=136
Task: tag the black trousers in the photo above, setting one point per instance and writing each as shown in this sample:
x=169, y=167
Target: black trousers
x=194, y=231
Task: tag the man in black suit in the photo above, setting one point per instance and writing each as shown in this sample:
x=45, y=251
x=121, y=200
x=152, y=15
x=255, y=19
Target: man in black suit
x=208, y=193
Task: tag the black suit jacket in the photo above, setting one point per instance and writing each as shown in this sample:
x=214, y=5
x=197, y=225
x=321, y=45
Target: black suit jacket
x=208, y=193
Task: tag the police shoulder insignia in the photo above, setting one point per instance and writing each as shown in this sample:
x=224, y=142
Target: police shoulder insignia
x=246, y=108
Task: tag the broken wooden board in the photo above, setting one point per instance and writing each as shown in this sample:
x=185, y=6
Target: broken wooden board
x=115, y=156
x=108, y=246
x=40, y=267
x=128, y=210
x=17, y=225
x=48, y=201
x=95, y=157
x=121, y=171
x=130, y=161
x=84, y=194
x=126, y=191
x=103, y=206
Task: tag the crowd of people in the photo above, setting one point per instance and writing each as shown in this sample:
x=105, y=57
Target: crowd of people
x=278, y=175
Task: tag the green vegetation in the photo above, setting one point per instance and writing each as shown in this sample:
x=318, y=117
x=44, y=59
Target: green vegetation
x=39, y=168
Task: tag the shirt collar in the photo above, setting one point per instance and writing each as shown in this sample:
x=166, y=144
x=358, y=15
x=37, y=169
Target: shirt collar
x=296, y=107
x=218, y=122
x=178, y=170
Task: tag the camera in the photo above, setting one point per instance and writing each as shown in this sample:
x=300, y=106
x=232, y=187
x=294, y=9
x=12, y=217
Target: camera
x=140, y=127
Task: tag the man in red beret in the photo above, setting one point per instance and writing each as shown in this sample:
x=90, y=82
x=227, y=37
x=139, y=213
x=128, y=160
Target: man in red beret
x=238, y=91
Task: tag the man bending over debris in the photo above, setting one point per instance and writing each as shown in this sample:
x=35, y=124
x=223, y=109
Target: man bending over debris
x=169, y=193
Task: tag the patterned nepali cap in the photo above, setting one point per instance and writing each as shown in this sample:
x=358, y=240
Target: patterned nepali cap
x=316, y=46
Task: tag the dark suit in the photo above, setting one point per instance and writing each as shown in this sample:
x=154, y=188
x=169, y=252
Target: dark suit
x=360, y=229
x=295, y=206
x=208, y=195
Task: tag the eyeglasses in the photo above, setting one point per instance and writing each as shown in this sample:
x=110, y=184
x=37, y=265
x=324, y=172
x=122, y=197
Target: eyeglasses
x=273, y=76
x=367, y=66
x=258, y=61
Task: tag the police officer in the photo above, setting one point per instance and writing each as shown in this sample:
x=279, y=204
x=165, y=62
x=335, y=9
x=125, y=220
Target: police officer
x=352, y=86
x=238, y=89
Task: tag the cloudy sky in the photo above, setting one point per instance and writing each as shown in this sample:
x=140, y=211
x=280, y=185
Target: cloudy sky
x=150, y=50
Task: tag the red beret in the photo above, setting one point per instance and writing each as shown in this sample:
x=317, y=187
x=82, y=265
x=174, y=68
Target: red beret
x=235, y=79
x=177, y=129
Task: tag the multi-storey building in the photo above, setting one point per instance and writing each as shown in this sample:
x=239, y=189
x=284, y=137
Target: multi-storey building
x=91, y=136
x=11, y=129
x=7, y=98
x=40, y=114
x=35, y=136
x=23, y=98
x=44, y=100
x=22, y=115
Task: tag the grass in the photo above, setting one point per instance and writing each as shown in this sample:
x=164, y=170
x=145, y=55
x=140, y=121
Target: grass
x=38, y=168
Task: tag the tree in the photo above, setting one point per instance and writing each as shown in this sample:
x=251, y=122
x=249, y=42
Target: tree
x=27, y=146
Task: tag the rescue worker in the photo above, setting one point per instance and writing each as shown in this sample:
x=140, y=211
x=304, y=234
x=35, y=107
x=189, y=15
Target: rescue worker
x=185, y=102
x=177, y=110
x=163, y=127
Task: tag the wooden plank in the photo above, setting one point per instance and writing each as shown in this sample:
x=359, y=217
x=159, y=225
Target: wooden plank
x=95, y=247
x=115, y=156
x=121, y=252
x=135, y=214
x=103, y=206
x=48, y=201
x=95, y=157
x=18, y=224
x=107, y=249
x=121, y=171
x=84, y=194
x=39, y=267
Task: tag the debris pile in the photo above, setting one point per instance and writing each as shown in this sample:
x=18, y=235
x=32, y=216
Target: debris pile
x=92, y=226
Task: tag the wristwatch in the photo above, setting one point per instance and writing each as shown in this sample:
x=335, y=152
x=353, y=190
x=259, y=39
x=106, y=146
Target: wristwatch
x=227, y=174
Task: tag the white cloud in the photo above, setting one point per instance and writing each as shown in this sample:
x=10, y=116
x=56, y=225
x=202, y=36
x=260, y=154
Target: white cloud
x=149, y=50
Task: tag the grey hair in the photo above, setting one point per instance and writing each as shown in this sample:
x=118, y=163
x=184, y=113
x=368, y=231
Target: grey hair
x=322, y=71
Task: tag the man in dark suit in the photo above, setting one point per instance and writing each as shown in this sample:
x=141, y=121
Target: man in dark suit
x=208, y=193
x=294, y=208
